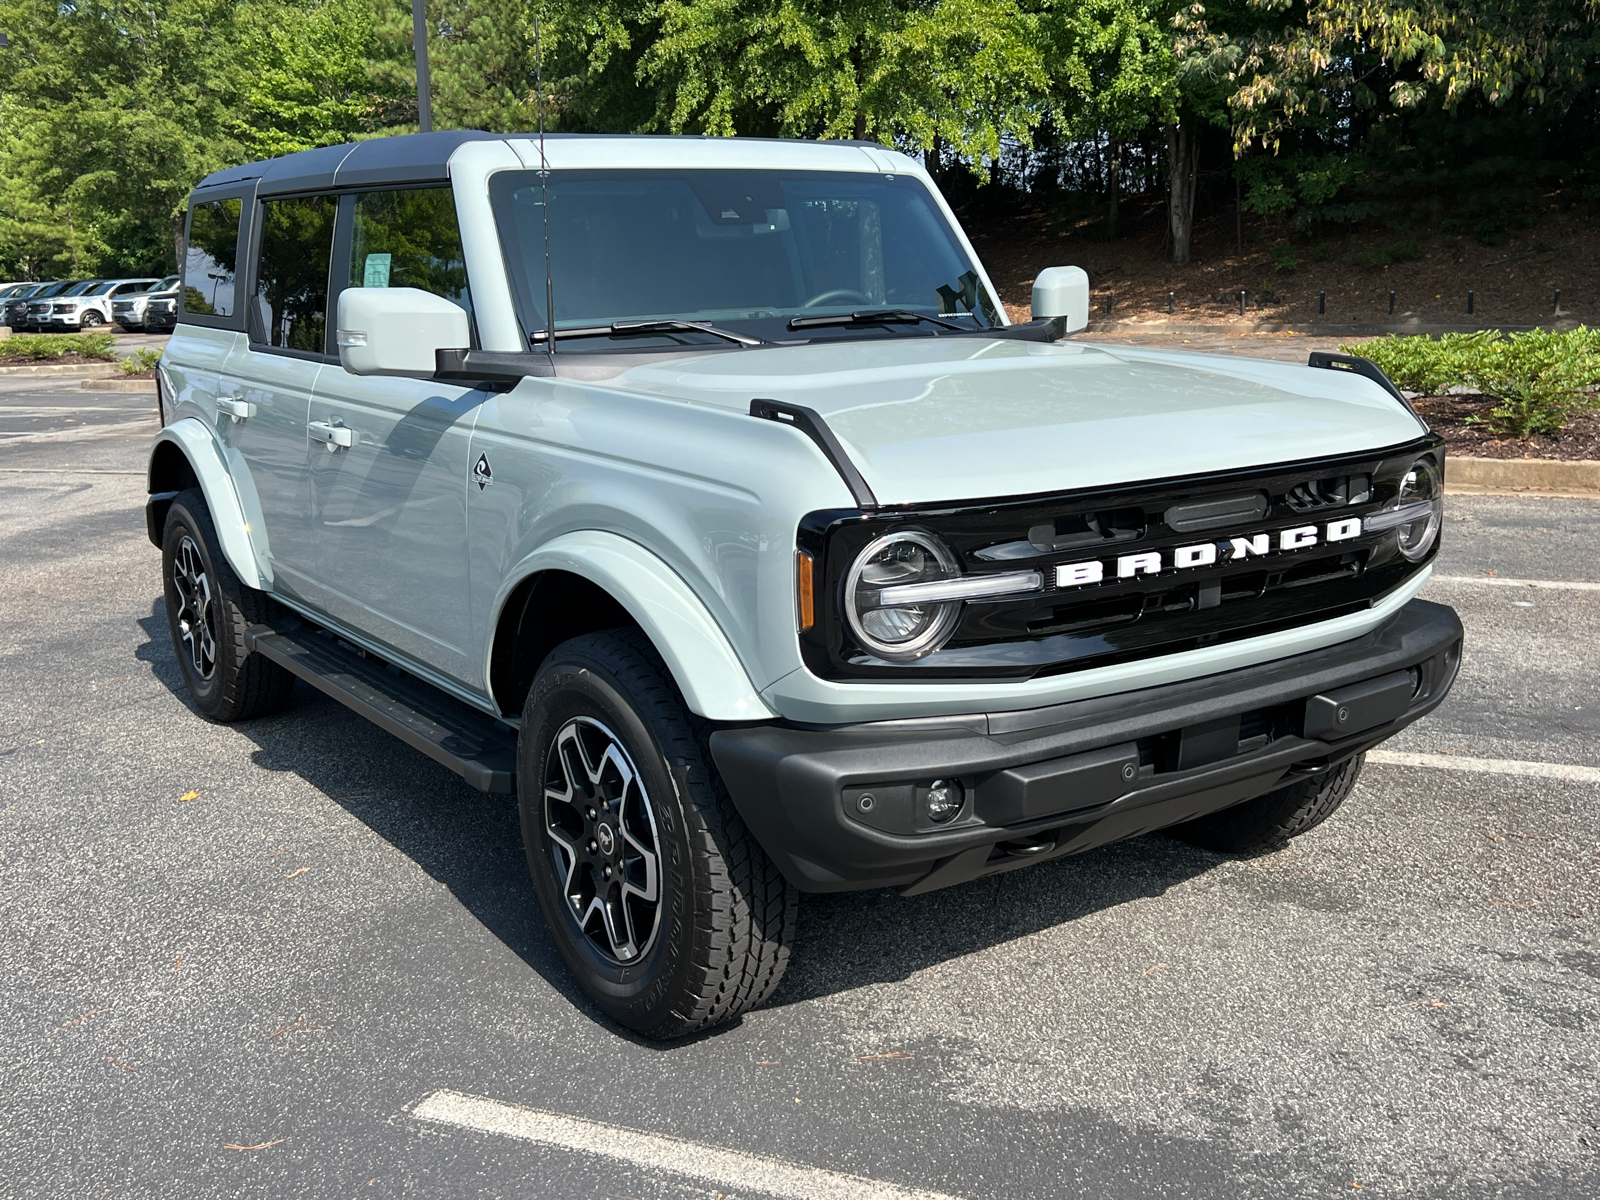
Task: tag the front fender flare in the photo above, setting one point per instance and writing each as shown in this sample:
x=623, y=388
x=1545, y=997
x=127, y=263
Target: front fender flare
x=196, y=444
x=713, y=681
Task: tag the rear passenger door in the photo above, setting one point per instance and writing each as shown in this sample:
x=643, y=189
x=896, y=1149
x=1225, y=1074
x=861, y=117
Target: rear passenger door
x=389, y=512
x=266, y=382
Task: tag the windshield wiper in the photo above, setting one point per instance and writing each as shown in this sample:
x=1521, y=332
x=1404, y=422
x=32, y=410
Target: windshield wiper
x=626, y=328
x=872, y=316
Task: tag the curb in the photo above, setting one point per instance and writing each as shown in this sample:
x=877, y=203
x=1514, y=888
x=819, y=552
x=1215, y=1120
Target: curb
x=1545, y=476
x=1303, y=328
x=62, y=369
x=146, y=386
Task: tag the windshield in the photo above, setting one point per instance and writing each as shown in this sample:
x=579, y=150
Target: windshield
x=80, y=288
x=746, y=251
x=101, y=290
x=165, y=285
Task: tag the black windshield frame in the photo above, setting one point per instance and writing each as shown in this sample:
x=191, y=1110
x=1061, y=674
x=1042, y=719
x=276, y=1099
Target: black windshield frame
x=964, y=294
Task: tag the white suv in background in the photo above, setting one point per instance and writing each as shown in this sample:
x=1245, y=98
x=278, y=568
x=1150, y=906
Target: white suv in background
x=92, y=308
x=129, y=309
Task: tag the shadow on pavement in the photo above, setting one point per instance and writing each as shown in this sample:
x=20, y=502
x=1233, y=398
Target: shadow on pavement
x=472, y=844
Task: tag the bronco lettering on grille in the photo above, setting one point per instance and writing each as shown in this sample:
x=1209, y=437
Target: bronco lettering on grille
x=1205, y=554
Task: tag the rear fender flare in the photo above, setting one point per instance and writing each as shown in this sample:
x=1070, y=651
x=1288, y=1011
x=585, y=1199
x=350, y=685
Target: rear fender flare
x=713, y=681
x=196, y=443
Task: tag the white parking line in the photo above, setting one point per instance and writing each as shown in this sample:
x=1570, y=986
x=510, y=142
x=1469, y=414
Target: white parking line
x=725, y=1169
x=1486, y=766
x=1567, y=585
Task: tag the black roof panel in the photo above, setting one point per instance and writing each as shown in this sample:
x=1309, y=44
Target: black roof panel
x=402, y=158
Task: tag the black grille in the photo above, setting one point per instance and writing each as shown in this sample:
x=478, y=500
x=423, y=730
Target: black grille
x=1117, y=619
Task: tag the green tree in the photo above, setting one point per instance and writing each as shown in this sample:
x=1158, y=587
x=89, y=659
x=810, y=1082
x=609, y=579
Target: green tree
x=129, y=108
x=963, y=73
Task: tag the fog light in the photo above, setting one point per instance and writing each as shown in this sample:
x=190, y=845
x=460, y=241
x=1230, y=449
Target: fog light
x=944, y=799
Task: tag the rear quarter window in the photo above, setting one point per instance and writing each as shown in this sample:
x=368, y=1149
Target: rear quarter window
x=211, y=260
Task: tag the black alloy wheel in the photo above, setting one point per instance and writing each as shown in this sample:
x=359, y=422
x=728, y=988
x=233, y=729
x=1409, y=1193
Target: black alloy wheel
x=208, y=610
x=603, y=839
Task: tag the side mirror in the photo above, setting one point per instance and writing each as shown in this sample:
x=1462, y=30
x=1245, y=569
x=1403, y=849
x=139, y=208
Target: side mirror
x=1062, y=292
x=397, y=331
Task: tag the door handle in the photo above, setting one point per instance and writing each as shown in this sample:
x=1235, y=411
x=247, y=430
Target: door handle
x=236, y=407
x=331, y=436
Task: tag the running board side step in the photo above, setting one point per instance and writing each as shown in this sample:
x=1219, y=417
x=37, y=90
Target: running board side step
x=472, y=744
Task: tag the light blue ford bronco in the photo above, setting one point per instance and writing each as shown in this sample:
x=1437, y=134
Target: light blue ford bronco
x=775, y=560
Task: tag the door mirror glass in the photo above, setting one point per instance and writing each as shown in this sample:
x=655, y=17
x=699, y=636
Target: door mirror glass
x=397, y=331
x=1062, y=292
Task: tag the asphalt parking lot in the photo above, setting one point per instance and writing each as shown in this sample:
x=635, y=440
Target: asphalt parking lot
x=295, y=958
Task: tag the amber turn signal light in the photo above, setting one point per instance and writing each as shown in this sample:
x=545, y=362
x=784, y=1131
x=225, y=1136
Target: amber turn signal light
x=804, y=590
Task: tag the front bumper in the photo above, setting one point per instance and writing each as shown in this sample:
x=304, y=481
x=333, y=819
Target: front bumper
x=1053, y=781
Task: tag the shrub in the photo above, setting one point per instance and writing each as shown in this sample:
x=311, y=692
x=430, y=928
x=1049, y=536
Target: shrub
x=44, y=348
x=1285, y=258
x=1538, y=380
x=1394, y=252
x=1422, y=365
x=140, y=361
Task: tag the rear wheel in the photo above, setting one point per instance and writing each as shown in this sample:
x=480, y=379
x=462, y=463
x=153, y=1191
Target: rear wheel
x=664, y=907
x=90, y=320
x=1272, y=819
x=208, y=610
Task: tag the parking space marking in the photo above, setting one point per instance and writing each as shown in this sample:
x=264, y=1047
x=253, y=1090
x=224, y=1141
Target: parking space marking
x=1486, y=766
x=1568, y=585
x=725, y=1169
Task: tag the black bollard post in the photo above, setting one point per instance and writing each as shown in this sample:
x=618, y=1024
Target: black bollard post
x=1391, y=302
x=1322, y=304
x=1170, y=297
x=1558, y=302
x=1471, y=299
x=1241, y=302
x=1110, y=296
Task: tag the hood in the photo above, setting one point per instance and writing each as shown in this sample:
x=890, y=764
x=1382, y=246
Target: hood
x=934, y=419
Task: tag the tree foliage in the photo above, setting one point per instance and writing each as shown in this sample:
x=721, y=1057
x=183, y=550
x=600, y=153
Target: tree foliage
x=111, y=110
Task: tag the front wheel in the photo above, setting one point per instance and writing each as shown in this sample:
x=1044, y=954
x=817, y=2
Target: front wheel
x=1272, y=819
x=90, y=320
x=664, y=907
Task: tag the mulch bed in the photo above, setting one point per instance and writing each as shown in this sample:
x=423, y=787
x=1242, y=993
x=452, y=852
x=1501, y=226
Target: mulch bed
x=148, y=373
x=1514, y=282
x=1448, y=416
x=65, y=360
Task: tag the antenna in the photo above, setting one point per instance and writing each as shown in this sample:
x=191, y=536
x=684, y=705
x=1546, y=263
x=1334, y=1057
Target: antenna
x=544, y=179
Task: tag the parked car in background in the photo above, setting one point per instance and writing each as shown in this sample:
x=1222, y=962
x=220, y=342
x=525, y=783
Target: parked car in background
x=128, y=310
x=91, y=308
x=37, y=316
x=161, y=310
x=14, y=304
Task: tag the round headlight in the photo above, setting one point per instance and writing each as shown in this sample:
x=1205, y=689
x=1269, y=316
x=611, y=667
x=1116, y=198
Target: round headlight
x=900, y=631
x=1422, y=483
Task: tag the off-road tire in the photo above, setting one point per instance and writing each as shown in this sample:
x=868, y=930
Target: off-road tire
x=725, y=919
x=239, y=685
x=1272, y=819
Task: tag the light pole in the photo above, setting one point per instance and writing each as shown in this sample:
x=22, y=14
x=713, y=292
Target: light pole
x=419, y=39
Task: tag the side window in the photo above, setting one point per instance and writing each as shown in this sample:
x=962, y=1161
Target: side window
x=211, y=259
x=409, y=239
x=292, y=274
